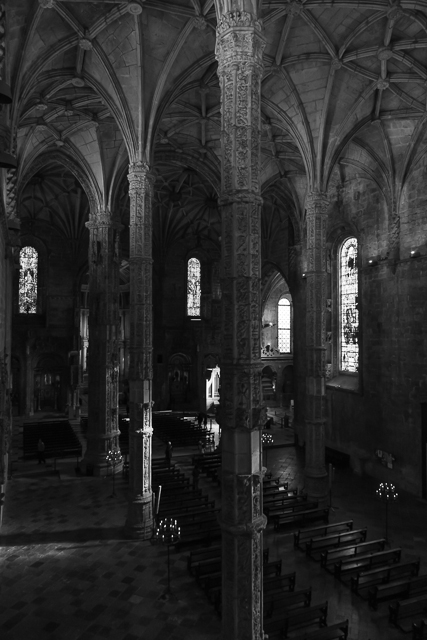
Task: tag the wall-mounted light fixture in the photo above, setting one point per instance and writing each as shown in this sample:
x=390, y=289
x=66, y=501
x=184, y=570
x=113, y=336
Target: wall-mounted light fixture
x=372, y=262
x=415, y=253
x=304, y=275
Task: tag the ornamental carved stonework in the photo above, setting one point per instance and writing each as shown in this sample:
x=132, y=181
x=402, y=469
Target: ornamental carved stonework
x=11, y=193
x=2, y=37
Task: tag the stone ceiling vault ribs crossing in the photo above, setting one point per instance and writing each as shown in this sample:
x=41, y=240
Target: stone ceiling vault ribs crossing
x=137, y=79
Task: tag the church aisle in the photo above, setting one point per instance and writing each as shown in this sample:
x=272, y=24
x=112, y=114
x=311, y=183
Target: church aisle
x=68, y=573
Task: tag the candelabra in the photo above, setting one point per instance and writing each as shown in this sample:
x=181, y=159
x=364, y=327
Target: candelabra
x=266, y=441
x=386, y=493
x=114, y=457
x=167, y=532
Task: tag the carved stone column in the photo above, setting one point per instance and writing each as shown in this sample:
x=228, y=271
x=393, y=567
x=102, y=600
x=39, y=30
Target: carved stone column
x=239, y=50
x=315, y=471
x=139, y=523
x=394, y=233
x=103, y=364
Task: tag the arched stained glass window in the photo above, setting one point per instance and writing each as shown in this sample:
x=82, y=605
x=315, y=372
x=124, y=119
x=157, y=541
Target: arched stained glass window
x=28, y=266
x=284, y=325
x=193, y=287
x=349, y=312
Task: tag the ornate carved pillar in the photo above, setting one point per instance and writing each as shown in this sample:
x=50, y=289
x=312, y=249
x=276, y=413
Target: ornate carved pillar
x=103, y=366
x=315, y=471
x=239, y=49
x=139, y=523
x=394, y=233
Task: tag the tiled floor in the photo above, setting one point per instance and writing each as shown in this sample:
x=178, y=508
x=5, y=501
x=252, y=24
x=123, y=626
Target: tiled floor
x=68, y=573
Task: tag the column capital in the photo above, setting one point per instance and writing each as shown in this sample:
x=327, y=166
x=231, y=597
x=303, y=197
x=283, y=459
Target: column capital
x=317, y=202
x=240, y=41
x=238, y=20
x=139, y=174
x=103, y=218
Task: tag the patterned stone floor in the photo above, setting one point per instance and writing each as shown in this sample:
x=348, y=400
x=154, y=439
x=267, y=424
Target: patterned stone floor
x=68, y=573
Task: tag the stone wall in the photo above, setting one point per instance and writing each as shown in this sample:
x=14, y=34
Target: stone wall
x=384, y=413
x=51, y=333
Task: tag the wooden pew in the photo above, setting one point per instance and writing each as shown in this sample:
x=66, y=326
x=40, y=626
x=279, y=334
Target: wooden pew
x=186, y=493
x=405, y=588
x=279, y=602
x=338, y=631
x=276, y=585
x=331, y=556
x=291, y=506
x=321, y=543
x=403, y=612
x=382, y=575
x=302, y=535
x=272, y=568
x=272, y=587
x=271, y=486
x=200, y=556
x=274, y=497
x=276, y=507
x=207, y=570
x=293, y=619
x=202, y=534
x=344, y=567
x=301, y=516
x=187, y=509
x=189, y=518
x=307, y=616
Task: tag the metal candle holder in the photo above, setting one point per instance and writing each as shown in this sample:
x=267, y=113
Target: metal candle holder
x=387, y=493
x=167, y=532
x=114, y=457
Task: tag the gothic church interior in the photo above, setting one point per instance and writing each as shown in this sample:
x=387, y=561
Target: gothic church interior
x=218, y=207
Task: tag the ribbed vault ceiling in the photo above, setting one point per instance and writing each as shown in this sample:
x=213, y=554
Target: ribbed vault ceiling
x=344, y=93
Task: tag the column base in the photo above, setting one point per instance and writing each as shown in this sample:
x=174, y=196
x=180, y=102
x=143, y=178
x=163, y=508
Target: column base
x=99, y=468
x=140, y=522
x=316, y=485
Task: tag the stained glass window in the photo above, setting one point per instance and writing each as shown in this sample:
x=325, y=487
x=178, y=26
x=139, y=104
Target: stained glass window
x=28, y=263
x=193, y=287
x=349, y=312
x=284, y=325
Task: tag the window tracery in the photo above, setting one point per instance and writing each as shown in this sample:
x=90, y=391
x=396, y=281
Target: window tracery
x=349, y=312
x=193, y=287
x=28, y=271
x=284, y=325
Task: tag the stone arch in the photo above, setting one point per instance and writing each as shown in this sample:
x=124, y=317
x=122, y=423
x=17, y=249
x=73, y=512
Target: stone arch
x=179, y=377
x=268, y=383
x=50, y=382
x=74, y=165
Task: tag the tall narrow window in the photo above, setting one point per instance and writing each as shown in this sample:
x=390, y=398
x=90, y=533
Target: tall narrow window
x=349, y=313
x=284, y=325
x=193, y=287
x=28, y=265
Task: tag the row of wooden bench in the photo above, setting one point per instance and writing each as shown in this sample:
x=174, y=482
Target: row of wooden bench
x=285, y=609
x=284, y=506
x=181, y=432
x=209, y=464
x=196, y=515
x=379, y=573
